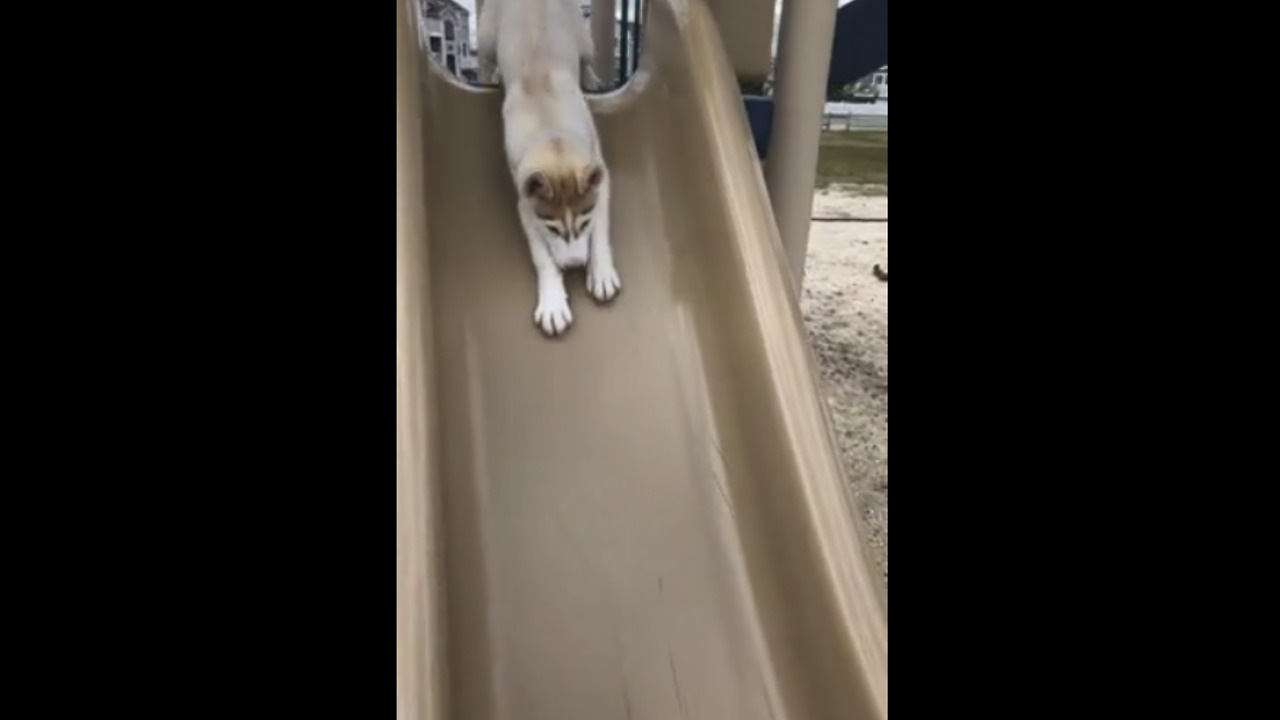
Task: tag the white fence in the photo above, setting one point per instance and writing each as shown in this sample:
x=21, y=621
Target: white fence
x=855, y=122
x=855, y=116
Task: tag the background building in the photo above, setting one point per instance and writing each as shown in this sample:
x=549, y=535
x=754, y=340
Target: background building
x=446, y=33
x=881, y=80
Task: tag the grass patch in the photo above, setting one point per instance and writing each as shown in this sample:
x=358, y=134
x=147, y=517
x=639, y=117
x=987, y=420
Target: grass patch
x=857, y=157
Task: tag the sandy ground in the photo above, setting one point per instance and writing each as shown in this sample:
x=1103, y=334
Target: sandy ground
x=846, y=311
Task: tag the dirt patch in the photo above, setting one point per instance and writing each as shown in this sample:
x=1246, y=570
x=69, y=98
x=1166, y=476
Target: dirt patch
x=846, y=311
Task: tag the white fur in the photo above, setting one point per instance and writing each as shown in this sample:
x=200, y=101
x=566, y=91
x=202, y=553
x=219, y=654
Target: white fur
x=529, y=28
x=550, y=42
x=552, y=312
x=602, y=277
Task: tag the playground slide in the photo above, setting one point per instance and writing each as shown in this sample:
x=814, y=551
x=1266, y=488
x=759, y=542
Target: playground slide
x=645, y=518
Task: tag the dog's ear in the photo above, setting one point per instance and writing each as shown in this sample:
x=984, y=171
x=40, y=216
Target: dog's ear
x=592, y=176
x=537, y=185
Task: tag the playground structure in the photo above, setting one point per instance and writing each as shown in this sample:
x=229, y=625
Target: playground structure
x=647, y=517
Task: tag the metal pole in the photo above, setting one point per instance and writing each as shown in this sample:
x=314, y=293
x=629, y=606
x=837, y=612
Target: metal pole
x=624, y=44
x=805, y=33
x=636, y=39
x=602, y=30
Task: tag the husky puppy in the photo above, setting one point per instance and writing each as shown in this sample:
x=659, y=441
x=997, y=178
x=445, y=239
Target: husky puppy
x=542, y=51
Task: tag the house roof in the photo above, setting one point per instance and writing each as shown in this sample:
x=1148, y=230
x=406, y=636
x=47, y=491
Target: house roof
x=451, y=4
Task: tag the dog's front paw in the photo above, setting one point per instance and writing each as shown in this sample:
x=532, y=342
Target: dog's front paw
x=602, y=281
x=552, y=313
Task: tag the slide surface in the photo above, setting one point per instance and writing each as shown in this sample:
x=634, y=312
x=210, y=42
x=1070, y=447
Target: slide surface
x=645, y=518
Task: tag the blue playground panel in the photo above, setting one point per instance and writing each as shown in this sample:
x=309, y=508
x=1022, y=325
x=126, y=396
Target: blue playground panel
x=760, y=115
x=860, y=46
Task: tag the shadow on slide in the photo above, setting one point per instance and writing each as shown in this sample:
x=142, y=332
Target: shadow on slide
x=645, y=518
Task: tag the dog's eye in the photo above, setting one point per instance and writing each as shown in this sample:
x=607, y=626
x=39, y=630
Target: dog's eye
x=555, y=230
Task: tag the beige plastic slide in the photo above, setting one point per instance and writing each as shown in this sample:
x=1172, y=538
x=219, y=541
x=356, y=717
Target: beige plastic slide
x=645, y=518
